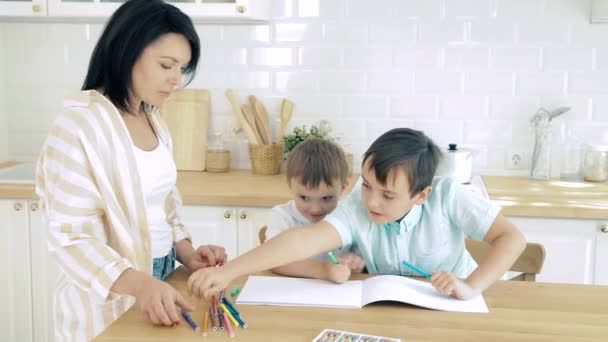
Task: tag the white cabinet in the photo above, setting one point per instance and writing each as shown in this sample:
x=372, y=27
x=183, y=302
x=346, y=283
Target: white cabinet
x=16, y=285
x=601, y=255
x=33, y=8
x=45, y=275
x=83, y=8
x=199, y=10
x=234, y=228
x=575, y=249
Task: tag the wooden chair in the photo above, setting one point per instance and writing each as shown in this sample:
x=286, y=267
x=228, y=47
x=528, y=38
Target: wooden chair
x=529, y=263
x=262, y=234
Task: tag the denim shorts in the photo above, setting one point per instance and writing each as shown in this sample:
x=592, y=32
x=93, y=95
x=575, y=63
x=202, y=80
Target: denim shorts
x=163, y=267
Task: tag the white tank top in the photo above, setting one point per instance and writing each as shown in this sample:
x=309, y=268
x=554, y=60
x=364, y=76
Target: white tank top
x=158, y=175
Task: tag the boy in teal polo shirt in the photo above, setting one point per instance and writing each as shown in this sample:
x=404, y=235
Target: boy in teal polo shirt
x=400, y=212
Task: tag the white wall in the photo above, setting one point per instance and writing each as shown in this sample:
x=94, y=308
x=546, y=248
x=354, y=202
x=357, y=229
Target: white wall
x=470, y=71
x=3, y=114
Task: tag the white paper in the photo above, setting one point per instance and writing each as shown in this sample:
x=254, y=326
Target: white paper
x=352, y=294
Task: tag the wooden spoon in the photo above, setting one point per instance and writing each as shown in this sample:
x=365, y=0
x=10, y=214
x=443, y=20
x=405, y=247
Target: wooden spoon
x=262, y=114
x=286, y=115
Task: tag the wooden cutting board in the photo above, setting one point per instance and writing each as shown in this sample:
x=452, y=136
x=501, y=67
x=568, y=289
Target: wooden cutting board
x=186, y=113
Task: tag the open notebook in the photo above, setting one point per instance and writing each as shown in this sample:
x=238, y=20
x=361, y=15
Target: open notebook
x=352, y=294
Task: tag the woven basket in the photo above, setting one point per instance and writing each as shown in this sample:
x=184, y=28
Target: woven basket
x=266, y=159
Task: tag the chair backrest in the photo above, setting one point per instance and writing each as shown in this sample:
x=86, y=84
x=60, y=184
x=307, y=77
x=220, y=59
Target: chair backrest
x=529, y=263
x=262, y=234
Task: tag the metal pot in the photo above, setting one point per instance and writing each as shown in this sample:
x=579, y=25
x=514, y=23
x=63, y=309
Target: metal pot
x=457, y=163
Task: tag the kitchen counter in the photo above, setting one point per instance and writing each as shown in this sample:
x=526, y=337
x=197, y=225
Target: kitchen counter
x=518, y=196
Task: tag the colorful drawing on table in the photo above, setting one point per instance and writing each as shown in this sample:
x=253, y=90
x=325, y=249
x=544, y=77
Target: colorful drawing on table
x=285, y=291
x=332, y=335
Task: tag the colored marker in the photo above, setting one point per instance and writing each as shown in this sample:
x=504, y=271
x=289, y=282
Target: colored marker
x=228, y=326
x=221, y=318
x=222, y=293
x=206, y=324
x=190, y=320
x=214, y=323
x=423, y=273
x=235, y=291
x=227, y=312
x=214, y=304
x=332, y=257
x=231, y=307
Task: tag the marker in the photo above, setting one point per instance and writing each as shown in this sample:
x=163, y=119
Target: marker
x=332, y=257
x=227, y=312
x=228, y=326
x=235, y=291
x=190, y=320
x=206, y=324
x=214, y=323
x=231, y=307
x=423, y=273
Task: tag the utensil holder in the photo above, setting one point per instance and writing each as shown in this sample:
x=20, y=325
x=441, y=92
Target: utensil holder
x=266, y=159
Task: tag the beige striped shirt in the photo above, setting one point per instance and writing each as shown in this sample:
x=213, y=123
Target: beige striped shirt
x=92, y=203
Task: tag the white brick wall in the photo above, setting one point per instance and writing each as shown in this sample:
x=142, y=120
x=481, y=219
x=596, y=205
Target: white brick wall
x=470, y=72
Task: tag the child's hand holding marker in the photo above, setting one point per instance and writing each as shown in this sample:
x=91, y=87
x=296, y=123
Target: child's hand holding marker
x=353, y=261
x=336, y=272
x=446, y=283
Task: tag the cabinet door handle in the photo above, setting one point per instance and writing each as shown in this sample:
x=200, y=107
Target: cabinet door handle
x=34, y=207
x=243, y=215
x=227, y=214
x=36, y=8
x=241, y=9
x=18, y=206
x=604, y=228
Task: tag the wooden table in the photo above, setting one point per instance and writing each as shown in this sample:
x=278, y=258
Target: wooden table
x=519, y=311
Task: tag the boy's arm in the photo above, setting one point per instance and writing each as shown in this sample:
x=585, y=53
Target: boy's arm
x=303, y=269
x=287, y=247
x=292, y=245
x=507, y=243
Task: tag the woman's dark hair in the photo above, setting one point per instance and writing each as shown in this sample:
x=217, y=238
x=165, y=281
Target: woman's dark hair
x=408, y=149
x=133, y=26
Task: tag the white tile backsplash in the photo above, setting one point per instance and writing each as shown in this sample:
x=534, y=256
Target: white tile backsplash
x=470, y=72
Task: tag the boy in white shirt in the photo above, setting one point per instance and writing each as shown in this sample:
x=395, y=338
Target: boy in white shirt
x=316, y=174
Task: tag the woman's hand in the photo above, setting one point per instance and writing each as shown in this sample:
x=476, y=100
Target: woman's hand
x=206, y=256
x=448, y=284
x=158, y=301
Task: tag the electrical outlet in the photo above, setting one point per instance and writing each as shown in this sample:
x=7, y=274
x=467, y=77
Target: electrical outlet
x=516, y=160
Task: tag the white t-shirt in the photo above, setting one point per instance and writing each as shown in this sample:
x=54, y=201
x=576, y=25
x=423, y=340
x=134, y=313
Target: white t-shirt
x=158, y=175
x=286, y=216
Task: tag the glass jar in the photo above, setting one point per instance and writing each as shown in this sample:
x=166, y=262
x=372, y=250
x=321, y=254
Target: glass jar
x=596, y=163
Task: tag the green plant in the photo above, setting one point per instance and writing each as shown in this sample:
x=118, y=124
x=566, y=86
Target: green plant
x=301, y=133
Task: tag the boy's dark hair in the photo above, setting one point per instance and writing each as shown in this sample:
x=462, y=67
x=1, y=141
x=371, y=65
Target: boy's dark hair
x=133, y=26
x=412, y=150
x=316, y=161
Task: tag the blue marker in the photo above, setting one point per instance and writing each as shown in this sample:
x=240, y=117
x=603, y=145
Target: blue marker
x=423, y=273
x=190, y=320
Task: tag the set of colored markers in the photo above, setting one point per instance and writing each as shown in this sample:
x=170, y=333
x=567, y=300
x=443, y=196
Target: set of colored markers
x=222, y=315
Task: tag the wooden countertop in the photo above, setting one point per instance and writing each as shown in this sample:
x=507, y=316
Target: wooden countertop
x=519, y=311
x=518, y=196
